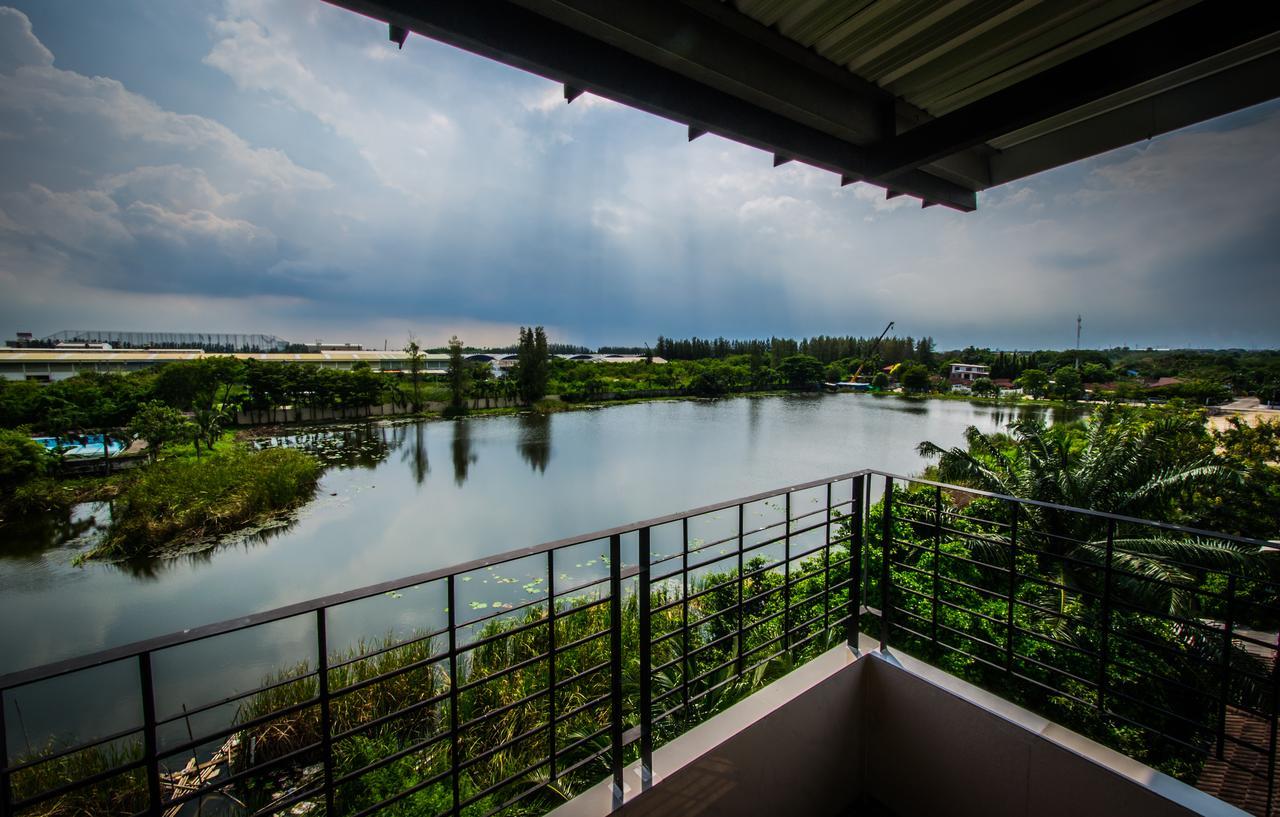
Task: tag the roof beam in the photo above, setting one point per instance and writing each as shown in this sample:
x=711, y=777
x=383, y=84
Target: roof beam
x=1180, y=40
x=509, y=33
x=1216, y=95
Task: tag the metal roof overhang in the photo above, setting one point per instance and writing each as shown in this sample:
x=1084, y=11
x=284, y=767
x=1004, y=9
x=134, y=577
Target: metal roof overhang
x=936, y=100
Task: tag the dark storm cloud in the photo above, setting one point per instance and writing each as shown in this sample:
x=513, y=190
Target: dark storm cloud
x=369, y=191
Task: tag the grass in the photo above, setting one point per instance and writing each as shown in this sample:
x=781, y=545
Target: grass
x=180, y=500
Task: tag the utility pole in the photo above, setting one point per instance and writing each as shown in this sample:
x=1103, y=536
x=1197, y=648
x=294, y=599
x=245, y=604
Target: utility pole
x=1078, y=319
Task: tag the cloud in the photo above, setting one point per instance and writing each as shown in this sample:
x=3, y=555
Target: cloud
x=325, y=182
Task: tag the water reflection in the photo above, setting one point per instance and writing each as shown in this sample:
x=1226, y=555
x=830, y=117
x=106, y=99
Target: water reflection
x=463, y=457
x=534, y=441
x=416, y=453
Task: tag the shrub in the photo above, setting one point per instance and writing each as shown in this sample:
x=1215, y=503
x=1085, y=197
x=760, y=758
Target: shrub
x=21, y=458
x=181, y=500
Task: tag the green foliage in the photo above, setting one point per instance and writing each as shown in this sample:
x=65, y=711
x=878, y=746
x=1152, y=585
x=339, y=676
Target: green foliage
x=1067, y=384
x=1096, y=373
x=1119, y=463
x=159, y=424
x=533, y=365
x=880, y=381
x=915, y=378
x=21, y=459
x=177, y=501
x=1034, y=382
x=459, y=377
x=983, y=387
x=417, y=361
x=801, y=370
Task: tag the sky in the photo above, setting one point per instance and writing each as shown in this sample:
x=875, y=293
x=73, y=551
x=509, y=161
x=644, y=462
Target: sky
x=278, y=167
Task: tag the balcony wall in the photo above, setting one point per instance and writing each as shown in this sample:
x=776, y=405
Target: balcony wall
x=867, y=734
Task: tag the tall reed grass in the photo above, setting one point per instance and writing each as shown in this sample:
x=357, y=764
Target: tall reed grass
x=177, y=501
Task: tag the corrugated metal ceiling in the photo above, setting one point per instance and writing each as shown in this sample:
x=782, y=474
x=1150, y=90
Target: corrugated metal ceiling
x=940, y=56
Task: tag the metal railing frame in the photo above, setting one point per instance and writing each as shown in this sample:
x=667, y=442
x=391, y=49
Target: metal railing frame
x=794, y=635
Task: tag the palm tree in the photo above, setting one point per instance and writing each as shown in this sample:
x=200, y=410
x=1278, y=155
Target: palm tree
x=1120, y=466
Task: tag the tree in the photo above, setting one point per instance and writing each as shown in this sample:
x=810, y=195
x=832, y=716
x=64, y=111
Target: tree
x=915, y=378
x=417, y=361
x=1121, y=466
x=1034, y=382
x=533, y=367
x=1066, y=384
x=801, y=370
x=984, y=387
x=1095, y=373
x=21, y=458
x=158, y=424
x=459, y=378
x=880, y=382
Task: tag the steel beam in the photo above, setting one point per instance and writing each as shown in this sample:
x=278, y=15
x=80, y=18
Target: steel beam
x=1196, y=34
x=1216, y=95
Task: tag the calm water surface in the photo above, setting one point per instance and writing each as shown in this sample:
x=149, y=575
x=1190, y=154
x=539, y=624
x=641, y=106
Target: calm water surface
x=413, y=497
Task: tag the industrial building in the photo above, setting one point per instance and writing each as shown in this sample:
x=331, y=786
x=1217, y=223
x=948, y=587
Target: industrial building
x=48, y=365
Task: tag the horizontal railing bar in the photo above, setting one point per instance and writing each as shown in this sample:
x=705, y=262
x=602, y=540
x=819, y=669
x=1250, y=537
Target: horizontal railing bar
x=1085, y=511
x=399, y=713
x=391, y=758
x=232, y=699
x=576, y=677
x=386, y=649
x=356, y=686
x=93, y=779
x=490, y=714
x=69, y=750
x=400, y=795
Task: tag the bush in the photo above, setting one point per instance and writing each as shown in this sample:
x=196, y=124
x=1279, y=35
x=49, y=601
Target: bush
x=21, y=458
x=179, y=501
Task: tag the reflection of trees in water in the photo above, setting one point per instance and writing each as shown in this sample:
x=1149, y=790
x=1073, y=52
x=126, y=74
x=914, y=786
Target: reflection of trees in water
x=415, y=453
x=462, y=454
x=753, y=417
x=153, y=569
x=30, y=535
x=535, y=440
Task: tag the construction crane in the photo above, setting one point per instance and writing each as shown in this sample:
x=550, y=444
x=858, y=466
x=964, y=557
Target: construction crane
x=870, y=353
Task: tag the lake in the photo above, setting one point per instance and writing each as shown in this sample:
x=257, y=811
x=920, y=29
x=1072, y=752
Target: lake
x=409, y=497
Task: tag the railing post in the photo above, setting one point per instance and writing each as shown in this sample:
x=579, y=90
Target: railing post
x=149, y=742
x=1272, y=781
x=646, y=654
x=856, y=509
x=1224, y=680
x=684, y=619
x=455, y=740
x=786, y=576
x=551, y=662
x=1010, y=624
x=615, y=662
x=1104, y=645
x=865, y=522
x=826, y=571
x=737, y=664
x=937, y=556
x=886, y=559
x=326, y=714
x=6, y=796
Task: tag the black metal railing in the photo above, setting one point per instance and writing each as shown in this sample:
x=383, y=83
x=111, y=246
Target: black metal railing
x=517, y=679
x=1156, y=639
x=523, y=678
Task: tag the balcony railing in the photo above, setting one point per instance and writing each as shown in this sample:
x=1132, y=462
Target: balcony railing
x=512, y=682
